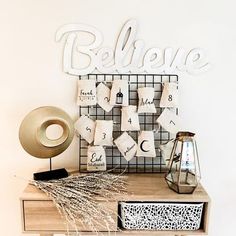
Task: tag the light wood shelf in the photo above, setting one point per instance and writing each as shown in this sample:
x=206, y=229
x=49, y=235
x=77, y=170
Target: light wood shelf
x=39, y=215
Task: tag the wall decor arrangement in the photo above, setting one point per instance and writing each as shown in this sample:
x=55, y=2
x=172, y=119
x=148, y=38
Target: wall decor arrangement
x=135, y=110
x=133, y=159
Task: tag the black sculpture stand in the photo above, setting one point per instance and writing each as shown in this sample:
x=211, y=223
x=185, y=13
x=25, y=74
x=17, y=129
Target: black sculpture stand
x=51, y=174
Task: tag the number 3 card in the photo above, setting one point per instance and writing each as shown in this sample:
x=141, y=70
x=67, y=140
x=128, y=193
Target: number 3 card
x=103, y=133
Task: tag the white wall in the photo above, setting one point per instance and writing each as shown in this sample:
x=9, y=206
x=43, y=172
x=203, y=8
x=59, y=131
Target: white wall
x=31, y=76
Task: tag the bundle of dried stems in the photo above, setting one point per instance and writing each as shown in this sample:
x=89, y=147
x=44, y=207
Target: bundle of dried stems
x=76, y=198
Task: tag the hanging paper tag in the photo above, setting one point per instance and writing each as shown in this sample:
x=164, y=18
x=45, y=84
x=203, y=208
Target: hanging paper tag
x=126, y=145
x=146, y=145
x=103, y=97
x=146, y=100
x=96, y=158
x=169, y=96
x=169, y=121
x=119, y=93
x=86, y=128
x=166, y=150
x=86, y=93
x=103, y=133
x=129, y=119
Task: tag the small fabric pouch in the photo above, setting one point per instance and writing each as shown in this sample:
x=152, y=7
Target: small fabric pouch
x=146, y=145
x=86, y=93
x=103, y=133
x=119, y=93
x=169, y=121
x=166, y=150
x=169, y=97
x=129, y=119
x=96, y=158
x=86, y=128
x=126, y=145
x=146, y=100
x=103, y=97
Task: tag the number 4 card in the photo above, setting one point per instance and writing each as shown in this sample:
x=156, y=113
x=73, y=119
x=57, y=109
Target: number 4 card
x=129, y=119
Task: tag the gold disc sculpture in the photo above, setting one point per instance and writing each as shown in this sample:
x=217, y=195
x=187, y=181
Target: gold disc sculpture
x=33, y=138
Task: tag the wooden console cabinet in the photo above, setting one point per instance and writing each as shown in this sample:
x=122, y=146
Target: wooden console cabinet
x=39, y=215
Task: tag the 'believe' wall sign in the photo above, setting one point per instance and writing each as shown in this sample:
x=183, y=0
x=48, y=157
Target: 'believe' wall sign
x=128, y=56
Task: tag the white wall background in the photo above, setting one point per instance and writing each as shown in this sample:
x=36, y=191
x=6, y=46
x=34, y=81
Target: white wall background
x=31, y=76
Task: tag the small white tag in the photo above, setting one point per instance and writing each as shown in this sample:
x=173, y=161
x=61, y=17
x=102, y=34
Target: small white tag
x=96, y=158
x=119, y=93
x=166, y=150
x=146, y=100
x=86, y=93
x=129, y=119
x=104, y=133
x=103, y=97
x=126, y=145
x=86, y=128
x=146, y=145
x=169, y=96
x=169, y=121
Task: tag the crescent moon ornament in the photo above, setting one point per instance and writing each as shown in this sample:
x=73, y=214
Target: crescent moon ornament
x=141, y=146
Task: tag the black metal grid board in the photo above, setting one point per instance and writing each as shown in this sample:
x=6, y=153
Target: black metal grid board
x=115, y=161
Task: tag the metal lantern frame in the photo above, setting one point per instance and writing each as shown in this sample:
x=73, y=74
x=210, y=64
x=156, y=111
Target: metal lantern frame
x=174, y=177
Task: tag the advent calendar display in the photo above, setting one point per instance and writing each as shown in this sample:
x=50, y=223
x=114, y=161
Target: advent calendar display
x=126, y=121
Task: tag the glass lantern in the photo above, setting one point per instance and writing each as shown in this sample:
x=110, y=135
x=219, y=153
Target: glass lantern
x=183, y=173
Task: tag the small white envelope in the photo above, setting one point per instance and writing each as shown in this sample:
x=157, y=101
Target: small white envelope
x=104, y=133
x=86, y=93
x=146, y=100
x=169, y=121
x=103, y=97
x=119, y=93
x=86, y=128
x=96, y=158
x=126, y=145
x=146, y=145
x=169, y=97
x=129, y=119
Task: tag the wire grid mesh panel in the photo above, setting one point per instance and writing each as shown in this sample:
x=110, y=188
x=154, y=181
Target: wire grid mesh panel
x=115, y=161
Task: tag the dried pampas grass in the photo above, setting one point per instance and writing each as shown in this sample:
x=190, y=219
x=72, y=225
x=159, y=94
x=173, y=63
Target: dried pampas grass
x=76, y=198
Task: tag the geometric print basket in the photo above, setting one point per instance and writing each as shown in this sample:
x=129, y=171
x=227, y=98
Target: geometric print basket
x=161, y=216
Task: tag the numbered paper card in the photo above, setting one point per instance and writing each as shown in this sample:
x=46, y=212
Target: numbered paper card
x=146, y=100
x=169, y=121
x=169, y=96
x=119, y=93
x=126, y=145
x=129, y=119
x=86, y=128
x=86, y=93
x=146, y=145
x=96, y=158
x=103, y=97
x=103, y=133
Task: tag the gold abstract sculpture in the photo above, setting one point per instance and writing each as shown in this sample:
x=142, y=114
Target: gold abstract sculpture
x=34, y=140
x=32, y=132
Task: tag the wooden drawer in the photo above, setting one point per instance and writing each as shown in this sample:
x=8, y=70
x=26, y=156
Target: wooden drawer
x=43, y=216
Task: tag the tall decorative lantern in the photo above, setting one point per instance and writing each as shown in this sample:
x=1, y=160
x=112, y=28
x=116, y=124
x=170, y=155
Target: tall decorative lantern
x=183, y=173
